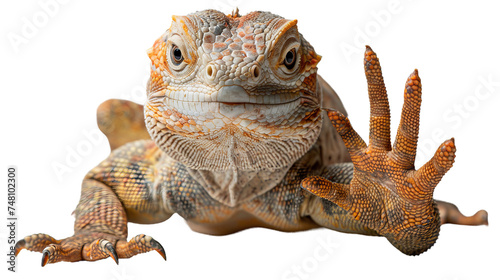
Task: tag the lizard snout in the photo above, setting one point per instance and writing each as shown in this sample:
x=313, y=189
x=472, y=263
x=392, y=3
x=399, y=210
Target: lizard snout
x=233, y=94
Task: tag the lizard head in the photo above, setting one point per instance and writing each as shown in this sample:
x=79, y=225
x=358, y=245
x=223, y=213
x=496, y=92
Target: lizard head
x=233, y=91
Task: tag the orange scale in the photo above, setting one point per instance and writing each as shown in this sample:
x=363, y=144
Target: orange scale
x=249, y=38
x=249, y=47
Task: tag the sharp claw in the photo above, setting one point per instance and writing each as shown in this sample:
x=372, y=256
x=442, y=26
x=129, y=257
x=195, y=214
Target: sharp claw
x=111, y=251
x=139, y=244
x=21, y=244
x=157, y=246
x=45, y=257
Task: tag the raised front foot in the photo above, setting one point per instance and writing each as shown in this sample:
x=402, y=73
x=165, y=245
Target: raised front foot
x=88, y=246
x=386, y=193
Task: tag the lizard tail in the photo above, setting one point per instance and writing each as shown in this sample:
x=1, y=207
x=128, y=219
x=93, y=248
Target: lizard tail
x=122, y=122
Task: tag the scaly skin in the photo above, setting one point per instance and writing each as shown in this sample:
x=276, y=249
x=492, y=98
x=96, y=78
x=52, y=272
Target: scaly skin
x=386, y=192
x=235, y=115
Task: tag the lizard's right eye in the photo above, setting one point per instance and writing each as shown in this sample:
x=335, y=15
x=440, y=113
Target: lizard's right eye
x=176, y=55
x=290, y=59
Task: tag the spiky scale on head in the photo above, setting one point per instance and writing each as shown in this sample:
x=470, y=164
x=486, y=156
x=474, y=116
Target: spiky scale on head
x=233, y=91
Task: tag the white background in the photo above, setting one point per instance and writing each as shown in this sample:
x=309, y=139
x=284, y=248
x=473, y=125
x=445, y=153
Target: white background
x=86, y=52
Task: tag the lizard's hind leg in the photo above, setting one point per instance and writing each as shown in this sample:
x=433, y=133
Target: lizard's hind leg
x=122, y=122
x=450, y=214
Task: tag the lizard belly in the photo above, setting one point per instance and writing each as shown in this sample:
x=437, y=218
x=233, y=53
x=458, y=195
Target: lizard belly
x=242, y=220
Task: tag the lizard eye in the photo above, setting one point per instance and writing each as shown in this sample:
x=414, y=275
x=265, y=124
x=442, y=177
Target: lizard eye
x=290, y=59
x=176, y=55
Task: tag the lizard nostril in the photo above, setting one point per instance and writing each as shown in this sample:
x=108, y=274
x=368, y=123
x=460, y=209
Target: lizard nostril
x=255, y=71
x=211, y=72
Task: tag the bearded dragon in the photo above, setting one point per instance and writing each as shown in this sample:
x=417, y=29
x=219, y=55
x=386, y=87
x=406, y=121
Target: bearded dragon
x=240, y=131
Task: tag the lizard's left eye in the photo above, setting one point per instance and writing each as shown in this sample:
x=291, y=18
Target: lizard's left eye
x=176, y=55
x=290, y=59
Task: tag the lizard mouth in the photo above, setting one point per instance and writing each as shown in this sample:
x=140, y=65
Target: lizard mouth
x=235, y=95
x=232, y=102
x=229, y=95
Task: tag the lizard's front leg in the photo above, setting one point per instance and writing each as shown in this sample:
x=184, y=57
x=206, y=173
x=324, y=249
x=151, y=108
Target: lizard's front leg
x=386, y=194
x=113, y=193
